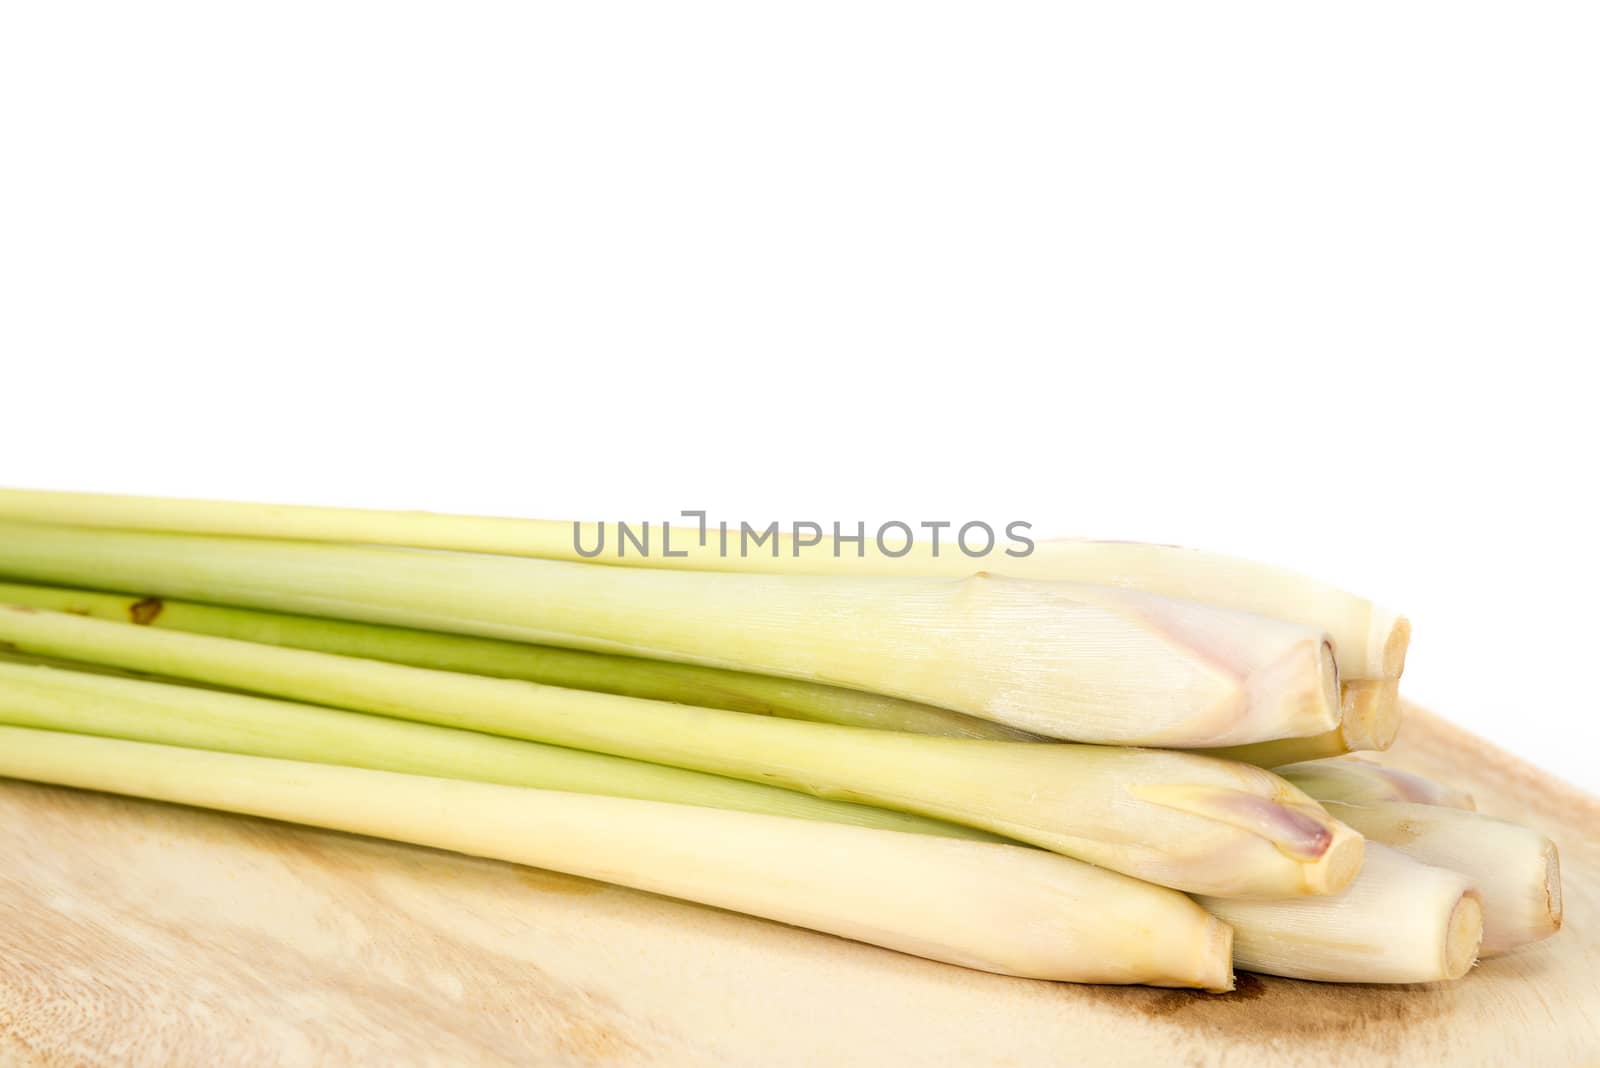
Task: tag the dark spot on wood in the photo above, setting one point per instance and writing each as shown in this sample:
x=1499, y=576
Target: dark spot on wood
x=1269, y=1008
x=145, y=611
x=1246, y=987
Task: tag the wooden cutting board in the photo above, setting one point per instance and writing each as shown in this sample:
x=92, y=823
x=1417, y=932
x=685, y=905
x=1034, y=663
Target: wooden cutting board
x=134, y=933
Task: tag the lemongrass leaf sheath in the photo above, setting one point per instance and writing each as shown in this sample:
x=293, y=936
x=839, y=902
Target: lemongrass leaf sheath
x=1370, y=641
x=146, y=711
x=994, y=907
x=1515, y=870
x=1401, y=921
x=1181, y=820
x=1361, y=782
x=658, y=680
x=1084, y=662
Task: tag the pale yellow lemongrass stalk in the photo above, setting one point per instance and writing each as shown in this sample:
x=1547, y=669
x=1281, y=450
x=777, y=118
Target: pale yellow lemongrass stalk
x=657, y=680
x=1370, y=641
x=1515, y=870
x=1401, y=921
x=1186, y=821
x=1090, y=663
x=998, y=908
x=52, y=698
x=1360, y=782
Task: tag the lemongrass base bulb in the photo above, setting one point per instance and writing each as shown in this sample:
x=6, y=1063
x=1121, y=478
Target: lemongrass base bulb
x=1515, y=870
x=1400, y=921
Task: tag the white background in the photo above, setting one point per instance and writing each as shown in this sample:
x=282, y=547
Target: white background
x=1316, y=285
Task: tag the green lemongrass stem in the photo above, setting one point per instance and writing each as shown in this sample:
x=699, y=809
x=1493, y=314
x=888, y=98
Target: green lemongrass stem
x=1515, y=870
x=658, y=680
x=1186, y=821
x=633, y=677
x=1370, y=721
x=144, y=711
x=1401, y=921
x=1369, y=641
x=1361, y=782
x=1084, y=662
x=984, y=905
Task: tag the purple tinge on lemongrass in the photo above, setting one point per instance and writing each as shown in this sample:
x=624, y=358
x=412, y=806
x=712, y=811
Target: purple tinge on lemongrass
x=1356, y=781
x=1298, y=831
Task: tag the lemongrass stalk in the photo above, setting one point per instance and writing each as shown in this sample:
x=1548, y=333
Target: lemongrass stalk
x=1370, y=721
x=1401, y=921
x=139, y=710
x=1084, y=662
x=984, y=905
x=1177, y=819
x=12, y=656
x=1370, y=642
x=1515, y=870
x=1284, y=751
x=1361, y=782
x=658, y=680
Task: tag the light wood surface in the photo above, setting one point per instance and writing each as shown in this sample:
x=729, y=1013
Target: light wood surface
x=134, y=933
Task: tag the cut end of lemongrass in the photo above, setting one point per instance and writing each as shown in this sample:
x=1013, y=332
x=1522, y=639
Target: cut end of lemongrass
x=1359, y=782
x=1515, y=870
x=1391, y=637
x=1552, y=887
x=1213, y=956
x=1400, y=921
x=1463, y=937
x=1542, y=916
x=1300, y=690
x=1341, y=863
x=1370, y=717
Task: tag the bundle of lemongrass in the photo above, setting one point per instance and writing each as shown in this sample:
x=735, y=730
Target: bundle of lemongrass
x=890, y=750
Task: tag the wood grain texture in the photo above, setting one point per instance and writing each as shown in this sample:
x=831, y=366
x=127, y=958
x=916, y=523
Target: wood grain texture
x=134, y=933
